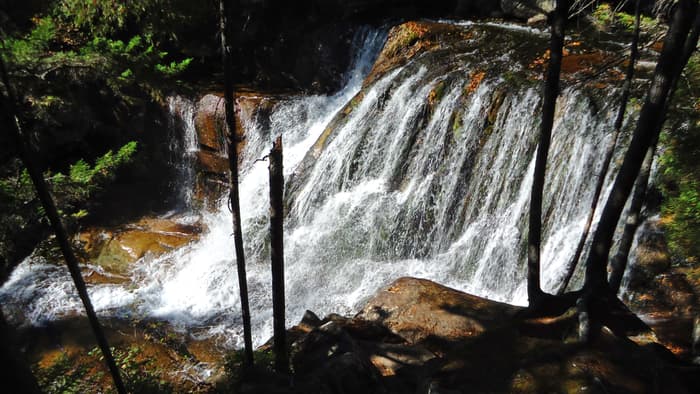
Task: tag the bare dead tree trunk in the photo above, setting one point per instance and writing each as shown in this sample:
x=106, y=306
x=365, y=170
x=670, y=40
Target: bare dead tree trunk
x=618, y=263
x=226, y=9
x=7, y=107
x=551, y=91
x=277, y=255
x=617, y=127
x=646, y=132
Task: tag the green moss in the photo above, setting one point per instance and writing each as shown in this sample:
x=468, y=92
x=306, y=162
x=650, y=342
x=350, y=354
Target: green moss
x=457, y=125
x=605, y=16
x=436, y=95
x=403, y=37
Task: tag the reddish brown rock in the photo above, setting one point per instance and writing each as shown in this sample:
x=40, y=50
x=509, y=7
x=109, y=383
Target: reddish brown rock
x=115, y=250
x=212, y=163
x=407, y=40
x=416, y=309
x=209, y=122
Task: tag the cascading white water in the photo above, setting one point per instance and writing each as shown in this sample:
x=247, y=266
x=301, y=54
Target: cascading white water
x=395, y=187
x=183, y=147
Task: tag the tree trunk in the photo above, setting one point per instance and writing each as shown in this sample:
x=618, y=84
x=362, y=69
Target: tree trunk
x=551, y=91
x=596, y=292
x=277, y=255
x=226, y=9
x=617, y=127
x=647, y=131
x=7, y=108
x=618, y=263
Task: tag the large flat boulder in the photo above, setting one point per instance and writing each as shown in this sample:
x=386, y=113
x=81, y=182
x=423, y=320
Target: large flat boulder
x=417, y=309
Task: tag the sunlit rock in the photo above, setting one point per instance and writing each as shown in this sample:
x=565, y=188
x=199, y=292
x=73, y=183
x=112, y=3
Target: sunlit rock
x=418, y=309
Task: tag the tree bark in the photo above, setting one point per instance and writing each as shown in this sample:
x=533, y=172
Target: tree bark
x=226, y=9
x=648, y=127
x=596, y=294
x=7, y=107
x=617, y=127
x=618, y=263
x=551, y=91
x=277, y=256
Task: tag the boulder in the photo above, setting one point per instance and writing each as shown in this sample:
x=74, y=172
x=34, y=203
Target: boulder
x=416, y=309
x=480, y=347
x=116, y=249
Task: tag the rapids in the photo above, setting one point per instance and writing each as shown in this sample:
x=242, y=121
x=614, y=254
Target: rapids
x=395, y=186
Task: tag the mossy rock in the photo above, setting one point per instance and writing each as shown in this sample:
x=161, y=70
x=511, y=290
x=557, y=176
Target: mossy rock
x=117, y=250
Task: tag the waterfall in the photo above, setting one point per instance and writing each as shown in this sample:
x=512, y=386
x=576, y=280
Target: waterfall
x=421, y=173
x=183, y=147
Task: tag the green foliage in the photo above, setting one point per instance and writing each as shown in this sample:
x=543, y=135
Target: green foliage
x=33, y=46
x=139, y=374
x=133, y=61
x=139, y=54
x=67, y=375
x=605, y=16
x=83, y=180
x=103, y=17
x=87, y=35
x=679, y=166
x=174, y=67
x=71, y=191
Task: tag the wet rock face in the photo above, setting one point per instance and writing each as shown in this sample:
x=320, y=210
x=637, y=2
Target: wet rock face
x=116, y=249
x=410, y=39
x=306, y=44
x=212, y=165
x=210, y=123
x=662, y=294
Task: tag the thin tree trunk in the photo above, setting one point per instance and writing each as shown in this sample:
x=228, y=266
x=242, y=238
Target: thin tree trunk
x=226, y=9
x=551, y=91
x=646, y=132
x=618, y=263
x=277, y=255
x=617, y=127
x=26, y=155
